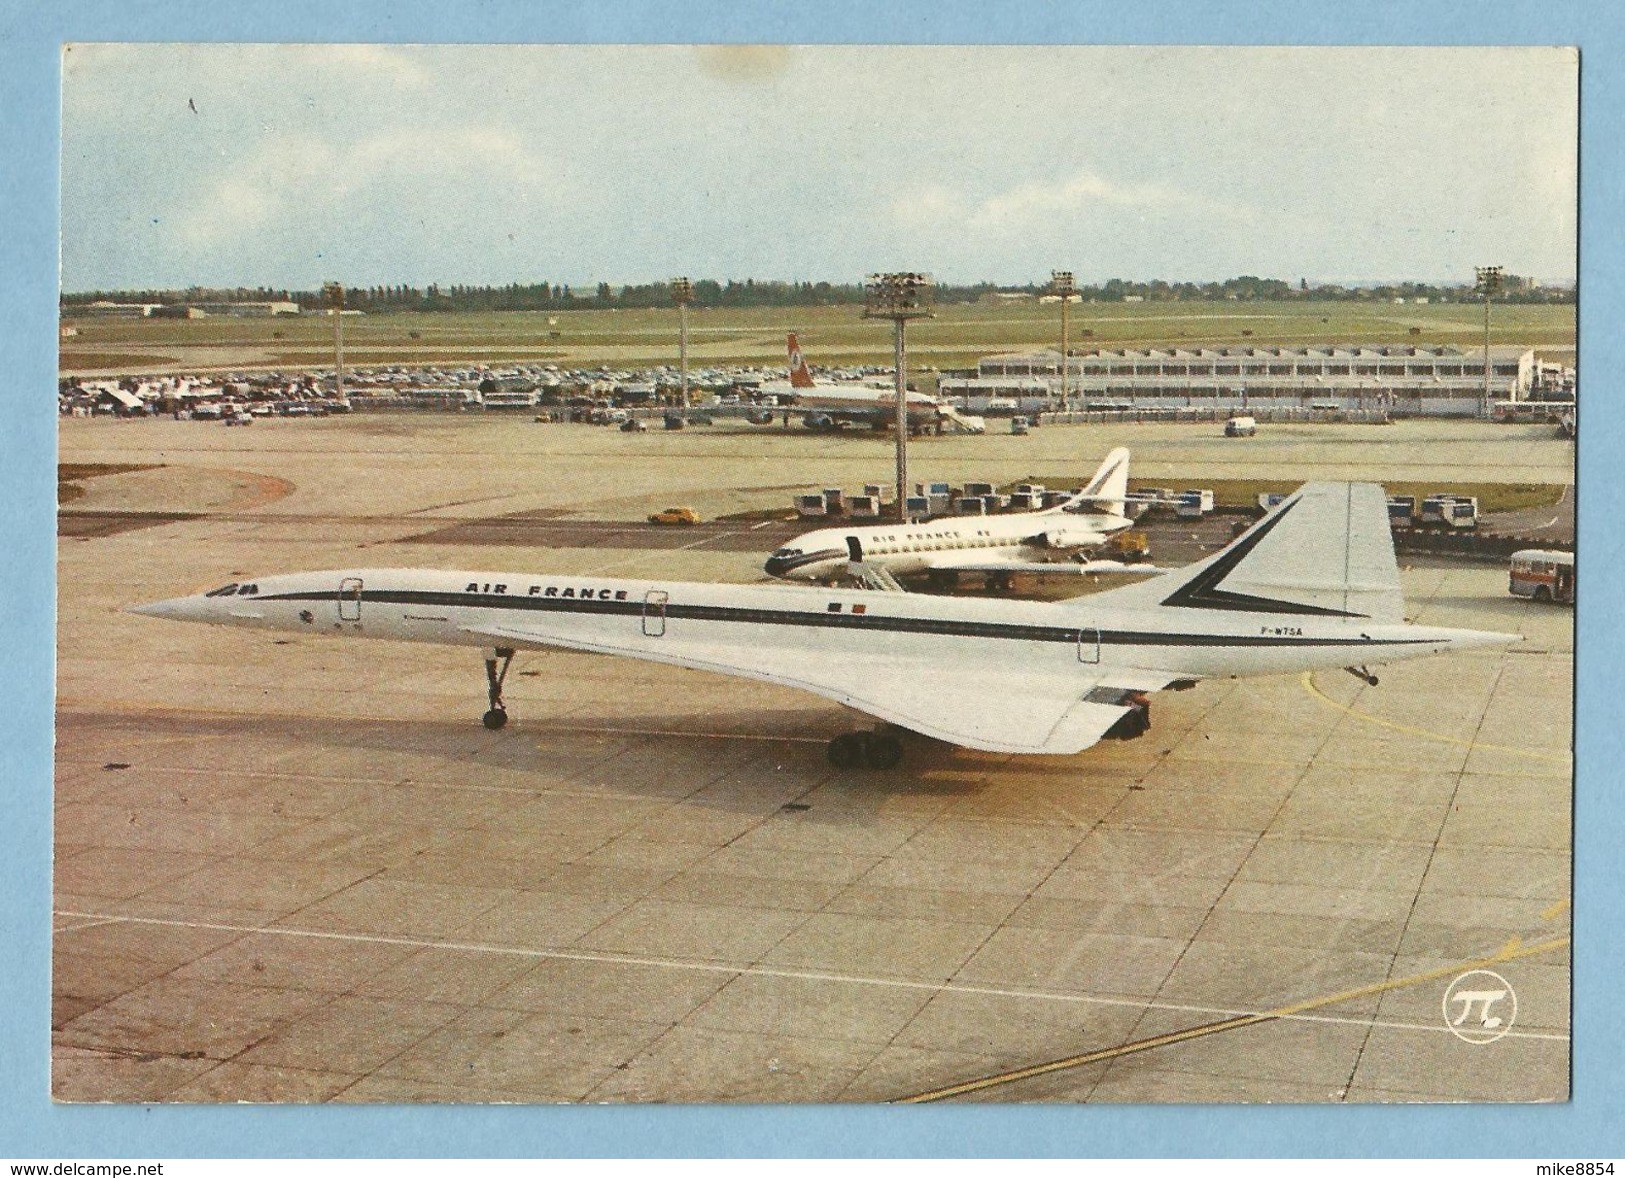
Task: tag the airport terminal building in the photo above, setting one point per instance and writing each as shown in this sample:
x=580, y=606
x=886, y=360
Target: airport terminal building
x=1404, y=379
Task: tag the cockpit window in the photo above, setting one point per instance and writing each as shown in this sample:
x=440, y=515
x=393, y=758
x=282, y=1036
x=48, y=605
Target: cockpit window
x=788, y=552
x=223, y=591
x=248, y=590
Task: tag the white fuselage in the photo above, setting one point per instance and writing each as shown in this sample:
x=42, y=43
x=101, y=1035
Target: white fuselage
x=1053, y=536
x=859, y=402
x=670, y=620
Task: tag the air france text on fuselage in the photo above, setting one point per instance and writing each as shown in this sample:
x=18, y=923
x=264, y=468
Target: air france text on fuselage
x=590, y=592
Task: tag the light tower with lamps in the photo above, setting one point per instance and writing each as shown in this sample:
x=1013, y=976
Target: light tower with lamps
x=899, y=297
x=682, y=293
x=1489, y=284
x=333, y=296
x=1061, y=283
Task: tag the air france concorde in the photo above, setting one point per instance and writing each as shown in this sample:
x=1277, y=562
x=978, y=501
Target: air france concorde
x=1312, y=585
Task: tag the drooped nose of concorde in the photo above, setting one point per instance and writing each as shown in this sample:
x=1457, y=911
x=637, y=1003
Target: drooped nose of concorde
x=180, y=609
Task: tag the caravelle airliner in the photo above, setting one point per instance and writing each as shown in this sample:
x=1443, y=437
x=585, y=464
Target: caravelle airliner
x=1312, y=585
x=1050, y=541
x=828, y=405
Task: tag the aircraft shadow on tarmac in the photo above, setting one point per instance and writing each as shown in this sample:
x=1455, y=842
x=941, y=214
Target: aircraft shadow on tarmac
x=640, y=752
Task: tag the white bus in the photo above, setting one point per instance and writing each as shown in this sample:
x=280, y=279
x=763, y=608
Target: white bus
x=1542, y=575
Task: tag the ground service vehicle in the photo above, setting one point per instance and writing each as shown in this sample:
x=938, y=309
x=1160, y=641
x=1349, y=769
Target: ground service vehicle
x=1542, y=575
x=675, y=515
x=1240, y=427
x=1128, y=546
x=1449, y=511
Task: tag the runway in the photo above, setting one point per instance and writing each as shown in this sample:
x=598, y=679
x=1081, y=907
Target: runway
x=293, y=869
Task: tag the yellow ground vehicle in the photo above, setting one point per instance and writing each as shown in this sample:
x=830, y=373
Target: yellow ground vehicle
x=1128, y=546
x=675, y=515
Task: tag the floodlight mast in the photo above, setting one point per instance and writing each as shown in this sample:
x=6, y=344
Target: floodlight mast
x=1062, y=284
x=333, y=296
x=1489, y=284
x=899, y=297
x=682, y=293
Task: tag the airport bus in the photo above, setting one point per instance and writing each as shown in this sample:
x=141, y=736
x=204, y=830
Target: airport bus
x=1542, y=575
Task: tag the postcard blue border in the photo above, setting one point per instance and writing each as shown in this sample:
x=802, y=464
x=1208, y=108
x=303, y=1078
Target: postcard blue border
x=30, y=36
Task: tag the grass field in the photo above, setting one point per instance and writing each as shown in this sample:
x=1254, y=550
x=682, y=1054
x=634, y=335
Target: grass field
x=70, y=474
x=956, y=338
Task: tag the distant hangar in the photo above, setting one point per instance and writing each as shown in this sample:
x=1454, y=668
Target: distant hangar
x=1404, y=379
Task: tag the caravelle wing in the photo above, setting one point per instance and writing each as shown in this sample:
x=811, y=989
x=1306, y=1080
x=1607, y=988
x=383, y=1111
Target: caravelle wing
x=1023, y=712
x=974, y=562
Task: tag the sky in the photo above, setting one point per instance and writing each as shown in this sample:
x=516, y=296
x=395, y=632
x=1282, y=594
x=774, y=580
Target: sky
x=289, y=165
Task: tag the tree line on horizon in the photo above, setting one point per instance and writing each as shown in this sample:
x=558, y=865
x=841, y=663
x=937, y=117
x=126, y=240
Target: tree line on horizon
x=546, y=296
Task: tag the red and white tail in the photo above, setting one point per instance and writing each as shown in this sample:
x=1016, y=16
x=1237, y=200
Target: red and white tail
x=800, y=378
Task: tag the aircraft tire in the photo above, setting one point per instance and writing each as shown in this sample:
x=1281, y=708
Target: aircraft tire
x=884, y=751
x=847, y=750
x=495, y=719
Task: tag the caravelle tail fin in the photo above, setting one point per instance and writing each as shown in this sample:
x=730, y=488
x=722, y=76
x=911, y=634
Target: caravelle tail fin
x=1325, y=551
x=1104, y=493
x=800, y=377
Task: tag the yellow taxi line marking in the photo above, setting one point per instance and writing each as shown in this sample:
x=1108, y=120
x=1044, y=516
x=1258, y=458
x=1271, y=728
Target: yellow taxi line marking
x=1555, y=910
x=1511, y=951
x=1308, y=681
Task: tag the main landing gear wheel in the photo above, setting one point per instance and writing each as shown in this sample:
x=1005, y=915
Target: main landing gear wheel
x=497, y=662
x=877, y=750
x=883, y=751
x=846, y=750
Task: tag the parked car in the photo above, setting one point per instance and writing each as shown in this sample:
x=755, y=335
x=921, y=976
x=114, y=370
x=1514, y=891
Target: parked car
x=676, y=515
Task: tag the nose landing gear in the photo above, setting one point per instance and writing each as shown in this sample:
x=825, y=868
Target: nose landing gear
x=497, y=716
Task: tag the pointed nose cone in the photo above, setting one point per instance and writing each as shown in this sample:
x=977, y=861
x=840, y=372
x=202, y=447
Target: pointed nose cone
x=173, y=607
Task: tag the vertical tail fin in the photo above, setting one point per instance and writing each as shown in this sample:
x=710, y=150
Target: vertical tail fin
x=1104, y=493
x=1326, y=550
x=800, y=378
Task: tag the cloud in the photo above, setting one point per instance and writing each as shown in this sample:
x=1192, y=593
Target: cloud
x=397, y=67
x=1036, y=205
x=625, y=161
x=292, y=177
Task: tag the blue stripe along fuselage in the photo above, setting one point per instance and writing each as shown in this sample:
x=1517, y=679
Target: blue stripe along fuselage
x=824, y=619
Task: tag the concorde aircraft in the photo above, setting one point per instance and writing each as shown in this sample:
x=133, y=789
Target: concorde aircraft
x=829, y=405
x=1048, y=541
x=1312, y=585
